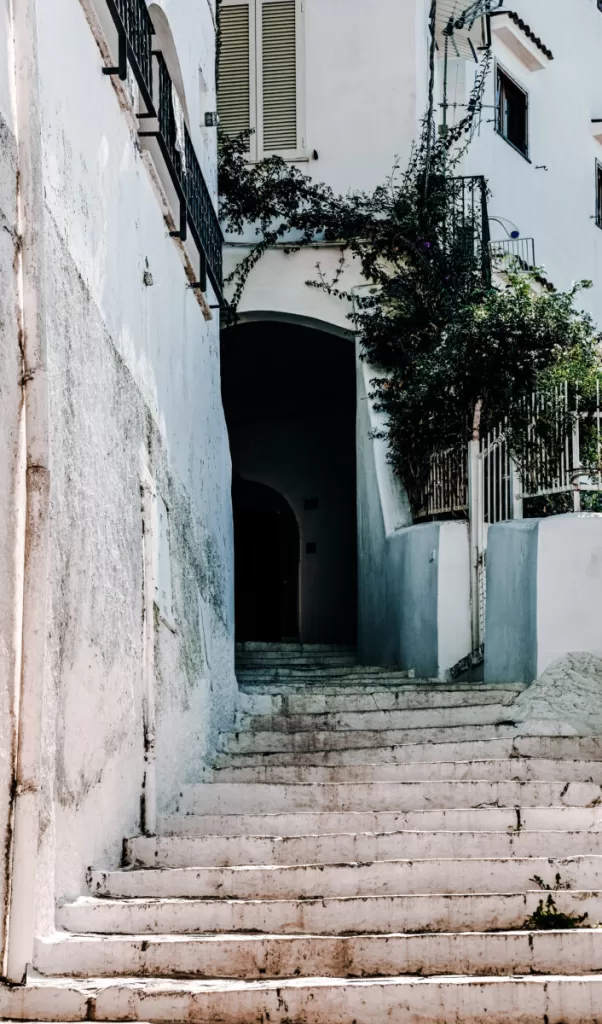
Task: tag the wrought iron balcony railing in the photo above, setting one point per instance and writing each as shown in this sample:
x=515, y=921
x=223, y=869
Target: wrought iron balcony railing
x=521, y=250
x=135, y=32
x=468, y=221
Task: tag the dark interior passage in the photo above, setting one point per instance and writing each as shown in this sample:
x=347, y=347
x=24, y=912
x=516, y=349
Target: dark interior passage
x=289, y=397
x=266, y=558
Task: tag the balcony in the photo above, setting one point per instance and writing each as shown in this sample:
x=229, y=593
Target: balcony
x=159, y=119
x=517, y=251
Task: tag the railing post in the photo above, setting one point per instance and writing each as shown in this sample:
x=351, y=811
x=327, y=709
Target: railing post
x=475, y=532
x=576, y=460
x=516, y=490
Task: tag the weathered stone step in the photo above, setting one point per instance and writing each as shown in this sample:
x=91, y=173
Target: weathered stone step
x=555, y=747
x=400, y=1000
x=482, y=819
x=353, y=674
x=408, y=698
x=285, y=956
x=266, y=647
x=421, y=718
x=226, y=851
x=265, y=742
x=379, y=878
x=260, y=798
x=501, y=769
x=329, y=916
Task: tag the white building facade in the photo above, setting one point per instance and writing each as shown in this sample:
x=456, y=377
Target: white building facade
x=357, y=89
x=116, y=615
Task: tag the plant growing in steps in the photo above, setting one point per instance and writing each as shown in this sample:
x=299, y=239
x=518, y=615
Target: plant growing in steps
x=547, y=916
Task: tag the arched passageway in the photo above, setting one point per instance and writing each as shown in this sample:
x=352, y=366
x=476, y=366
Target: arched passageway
x=266, y=557
x=289, y=398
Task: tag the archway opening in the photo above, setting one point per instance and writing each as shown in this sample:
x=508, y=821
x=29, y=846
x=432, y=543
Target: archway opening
x=289, y=399
x=266, y=559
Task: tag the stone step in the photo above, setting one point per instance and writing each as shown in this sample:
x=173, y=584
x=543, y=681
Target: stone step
x=226, y=851
x=260, y=798
x=300, y=662
x=386, y=878
x=554, y=747
x=573, y=999
x=501, y=769
x=434, y=717
x=267, y=742
x=257, y=646
x=482, y=819
x=329, y=916
x=254, y=957
x=354, y=675
x=408, y=698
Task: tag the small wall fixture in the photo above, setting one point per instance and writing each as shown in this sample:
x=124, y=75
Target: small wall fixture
x=211, y=119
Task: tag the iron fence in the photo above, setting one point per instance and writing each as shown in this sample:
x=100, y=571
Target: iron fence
x=135, y=32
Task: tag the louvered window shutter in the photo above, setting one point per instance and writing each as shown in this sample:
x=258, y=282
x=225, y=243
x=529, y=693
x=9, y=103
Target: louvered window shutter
x=234, y=70
x=278, y=93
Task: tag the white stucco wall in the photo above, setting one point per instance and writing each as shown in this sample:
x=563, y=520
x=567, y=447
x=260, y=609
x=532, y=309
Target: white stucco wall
x=555, y=206
x=544, y=592
x=10, y=397
x=413, y=581
x=134, y=378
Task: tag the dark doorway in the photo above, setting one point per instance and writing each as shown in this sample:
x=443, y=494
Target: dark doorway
x=266, y=563
x=289, y=399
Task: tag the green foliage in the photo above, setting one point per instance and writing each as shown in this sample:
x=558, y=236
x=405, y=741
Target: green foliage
x=455, y=352
x=547, y=917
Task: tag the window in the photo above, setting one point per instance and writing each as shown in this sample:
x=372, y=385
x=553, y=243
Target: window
x=259, y=74
x=599, y=195
x=512, y=113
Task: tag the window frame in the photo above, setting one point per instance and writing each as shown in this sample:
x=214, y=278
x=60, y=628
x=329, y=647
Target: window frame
x=256, y=149
x=502, y=73
x=598, y=181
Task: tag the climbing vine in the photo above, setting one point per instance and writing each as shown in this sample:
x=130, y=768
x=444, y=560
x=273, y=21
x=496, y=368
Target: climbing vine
x=455, y=352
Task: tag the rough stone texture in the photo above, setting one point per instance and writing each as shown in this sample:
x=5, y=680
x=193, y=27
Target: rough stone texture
x=566, y=700
x=10, y=400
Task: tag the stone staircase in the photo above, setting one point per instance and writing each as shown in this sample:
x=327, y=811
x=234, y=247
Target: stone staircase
x=366, y=848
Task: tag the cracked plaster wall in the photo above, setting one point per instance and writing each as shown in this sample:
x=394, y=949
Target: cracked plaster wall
x=133, y=369
x=10, y=396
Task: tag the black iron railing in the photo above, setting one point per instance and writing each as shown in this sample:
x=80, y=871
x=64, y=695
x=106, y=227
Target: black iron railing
x=468, y=221
x=135, y=31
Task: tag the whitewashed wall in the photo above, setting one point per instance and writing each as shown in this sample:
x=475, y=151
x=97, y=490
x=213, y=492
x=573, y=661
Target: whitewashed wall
x=133, y=379
x=10, y=396
x=555, y=206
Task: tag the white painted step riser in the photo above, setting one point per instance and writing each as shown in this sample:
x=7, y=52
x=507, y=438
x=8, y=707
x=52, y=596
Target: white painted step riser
x=212, y=851
x=368, y=721
x=269, y=673
x=257, y=957
x=265, y=742
x=410, y=699
x=233, y=798
x=574, y=748
x=372, y=914
x=387, y=878
x=534, y=1000
x=529, y=770
x=484, y=819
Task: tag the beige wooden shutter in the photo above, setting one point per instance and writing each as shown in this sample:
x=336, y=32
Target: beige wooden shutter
x=234, y=69
x=279, y=75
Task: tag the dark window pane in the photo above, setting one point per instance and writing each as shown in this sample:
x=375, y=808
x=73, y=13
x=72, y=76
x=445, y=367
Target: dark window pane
x=512, y=113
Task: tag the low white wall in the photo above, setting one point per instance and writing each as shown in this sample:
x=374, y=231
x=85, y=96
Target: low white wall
x=544, y=594
x=414, y=581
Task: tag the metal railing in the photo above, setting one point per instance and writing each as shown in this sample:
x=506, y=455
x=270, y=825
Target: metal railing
x=467, y=223
x=135, y=31
x=519, y=250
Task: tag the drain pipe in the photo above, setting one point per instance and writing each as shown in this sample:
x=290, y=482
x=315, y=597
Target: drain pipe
x=35, y=495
